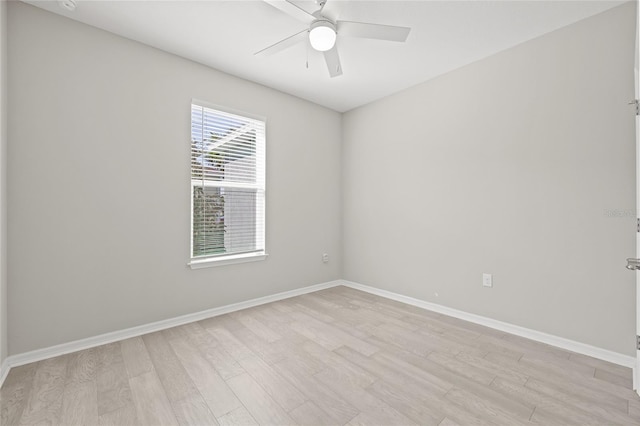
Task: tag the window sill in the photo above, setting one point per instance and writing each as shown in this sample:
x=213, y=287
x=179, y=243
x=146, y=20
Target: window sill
x=227, y=260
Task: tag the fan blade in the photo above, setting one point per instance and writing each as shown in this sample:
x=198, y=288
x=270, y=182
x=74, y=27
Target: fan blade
x=292, y=10
x=330, y=10
x=283, y=44
x=377, y=31
x=333, y=62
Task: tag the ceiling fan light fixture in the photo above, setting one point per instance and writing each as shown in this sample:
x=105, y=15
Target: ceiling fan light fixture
x=322, y=35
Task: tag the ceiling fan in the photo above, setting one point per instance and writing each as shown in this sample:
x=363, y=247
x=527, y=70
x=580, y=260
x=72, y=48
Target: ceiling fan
x=323, y=31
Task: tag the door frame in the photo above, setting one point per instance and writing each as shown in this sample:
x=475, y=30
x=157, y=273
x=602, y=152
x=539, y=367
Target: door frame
x=636, y=370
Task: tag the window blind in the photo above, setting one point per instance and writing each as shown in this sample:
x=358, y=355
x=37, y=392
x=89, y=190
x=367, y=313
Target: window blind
x=227, y=183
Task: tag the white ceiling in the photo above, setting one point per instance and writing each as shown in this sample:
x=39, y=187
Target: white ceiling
x=225, y=35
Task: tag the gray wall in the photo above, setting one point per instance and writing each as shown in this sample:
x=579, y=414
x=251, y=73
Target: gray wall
x=520, y=165
x=511, y=166
x=98, y=190
x=3, y=181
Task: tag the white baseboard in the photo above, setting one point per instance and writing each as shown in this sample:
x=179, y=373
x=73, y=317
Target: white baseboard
x=77, y=345
x=560, y=342
x=102, y=339
x=4, y=371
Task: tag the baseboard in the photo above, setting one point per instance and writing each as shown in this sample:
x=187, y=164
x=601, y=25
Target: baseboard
x=560, y=342
x=90, y=342
x=4, y=371
x=77, y=345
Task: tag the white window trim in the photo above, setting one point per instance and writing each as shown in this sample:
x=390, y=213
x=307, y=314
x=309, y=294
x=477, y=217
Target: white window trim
x=230, y=259
x=228, y=110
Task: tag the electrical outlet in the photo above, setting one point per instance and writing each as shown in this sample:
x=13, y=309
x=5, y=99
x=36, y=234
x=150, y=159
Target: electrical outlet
x=487, y=280
x=325, y=258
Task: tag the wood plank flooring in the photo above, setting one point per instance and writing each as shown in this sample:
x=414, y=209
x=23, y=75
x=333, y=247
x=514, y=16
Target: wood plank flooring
x=334, y=357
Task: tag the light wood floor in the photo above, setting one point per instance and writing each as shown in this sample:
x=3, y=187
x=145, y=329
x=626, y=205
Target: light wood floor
x=334, y=357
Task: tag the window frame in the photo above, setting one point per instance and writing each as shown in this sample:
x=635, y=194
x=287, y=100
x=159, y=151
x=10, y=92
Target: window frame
x=231, y=258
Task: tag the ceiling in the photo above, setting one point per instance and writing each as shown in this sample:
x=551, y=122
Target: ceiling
x=225, y=35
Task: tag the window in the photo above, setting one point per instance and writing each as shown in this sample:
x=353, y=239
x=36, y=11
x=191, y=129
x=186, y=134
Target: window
x=227, y=187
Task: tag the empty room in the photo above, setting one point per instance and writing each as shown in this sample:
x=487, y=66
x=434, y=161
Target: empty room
x=319, y=212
